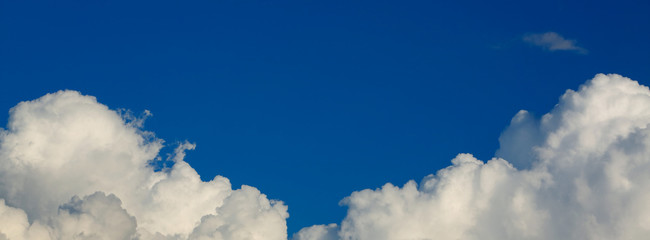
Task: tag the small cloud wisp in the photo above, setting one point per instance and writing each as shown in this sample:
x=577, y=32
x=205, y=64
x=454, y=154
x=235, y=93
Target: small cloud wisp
x=553, y=41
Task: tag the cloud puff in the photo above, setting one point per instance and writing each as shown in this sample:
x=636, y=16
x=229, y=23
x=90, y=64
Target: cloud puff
x=317, y=232
x=553, y=41
x=582, y=172
x=65, y=144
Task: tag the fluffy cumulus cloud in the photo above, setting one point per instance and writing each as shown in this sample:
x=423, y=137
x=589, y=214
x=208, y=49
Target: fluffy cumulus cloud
x=71, y=168
x=581, y=171
x=553, y=41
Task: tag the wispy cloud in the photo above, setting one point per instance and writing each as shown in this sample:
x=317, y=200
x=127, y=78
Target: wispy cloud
x=553, y=41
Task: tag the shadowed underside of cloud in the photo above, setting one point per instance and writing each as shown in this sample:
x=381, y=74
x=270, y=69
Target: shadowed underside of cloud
x=553, y=41
x=71, y=168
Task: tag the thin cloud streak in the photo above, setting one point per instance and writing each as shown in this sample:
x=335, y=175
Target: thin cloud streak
x=553, y=41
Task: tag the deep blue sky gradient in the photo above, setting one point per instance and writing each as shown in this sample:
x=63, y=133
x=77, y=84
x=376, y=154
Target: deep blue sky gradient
x=311, y=100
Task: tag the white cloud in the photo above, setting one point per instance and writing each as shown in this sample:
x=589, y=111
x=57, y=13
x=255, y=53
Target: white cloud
x=553, y=41
x=65, y=144
x=318, y=232
x=246, y=214
x=96, y=216
x=70, y=168
x=584, y=172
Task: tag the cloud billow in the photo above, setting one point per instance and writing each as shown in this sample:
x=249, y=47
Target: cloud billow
x=582, y=172
x=69, y=165
x=71, y=168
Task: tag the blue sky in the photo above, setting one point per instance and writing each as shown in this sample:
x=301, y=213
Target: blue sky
x=309, y=101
